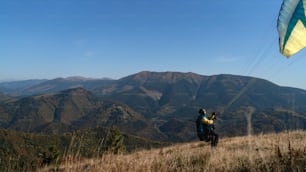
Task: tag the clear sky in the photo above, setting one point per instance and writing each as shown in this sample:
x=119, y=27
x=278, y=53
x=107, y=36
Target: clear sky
x=45, y=39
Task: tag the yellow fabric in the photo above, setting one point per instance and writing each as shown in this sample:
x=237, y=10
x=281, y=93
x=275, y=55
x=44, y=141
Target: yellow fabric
x=207, y=121
x=296, y=40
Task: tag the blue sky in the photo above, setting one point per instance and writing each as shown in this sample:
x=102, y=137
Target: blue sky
x=45, y=39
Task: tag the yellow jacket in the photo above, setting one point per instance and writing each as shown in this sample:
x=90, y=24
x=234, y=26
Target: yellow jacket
x=206, y=120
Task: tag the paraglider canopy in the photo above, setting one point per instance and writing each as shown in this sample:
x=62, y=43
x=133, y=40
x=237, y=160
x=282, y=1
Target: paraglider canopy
x=291, y=26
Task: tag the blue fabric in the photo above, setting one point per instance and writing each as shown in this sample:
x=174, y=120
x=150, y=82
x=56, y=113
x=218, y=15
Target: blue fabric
x=200, y=126
x=203, y=128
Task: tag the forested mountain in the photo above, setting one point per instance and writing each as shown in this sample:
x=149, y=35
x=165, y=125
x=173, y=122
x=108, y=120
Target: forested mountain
x=158, y=105
x=172, y=100
x=71, y=110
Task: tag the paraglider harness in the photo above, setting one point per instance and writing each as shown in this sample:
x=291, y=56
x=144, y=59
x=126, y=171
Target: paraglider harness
x=206, y=132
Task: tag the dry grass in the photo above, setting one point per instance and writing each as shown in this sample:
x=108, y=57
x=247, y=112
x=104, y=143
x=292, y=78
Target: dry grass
x=272, y=152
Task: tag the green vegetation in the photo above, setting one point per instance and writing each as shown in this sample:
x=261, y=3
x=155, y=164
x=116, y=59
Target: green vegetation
x=115, y=141
x=27, y=152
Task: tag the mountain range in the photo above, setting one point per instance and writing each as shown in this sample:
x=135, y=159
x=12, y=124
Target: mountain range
x=155, y=105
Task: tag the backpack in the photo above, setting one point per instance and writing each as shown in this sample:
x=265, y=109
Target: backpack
x=199, y=124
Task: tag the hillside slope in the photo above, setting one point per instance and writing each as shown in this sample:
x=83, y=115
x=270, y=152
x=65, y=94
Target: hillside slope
x=4, y=98
x=71, y=110
x=28, y=151
x=271, y=152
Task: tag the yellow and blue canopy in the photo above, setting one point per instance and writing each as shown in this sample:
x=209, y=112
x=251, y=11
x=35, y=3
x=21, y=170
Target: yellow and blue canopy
x=291, y=26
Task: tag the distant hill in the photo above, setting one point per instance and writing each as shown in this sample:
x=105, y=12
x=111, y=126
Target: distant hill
x=16, y=88
x=71, y=110
x=36, y=87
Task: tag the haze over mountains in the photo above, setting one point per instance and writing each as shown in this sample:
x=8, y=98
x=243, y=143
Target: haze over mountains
x=39, y=86
x=155, y=105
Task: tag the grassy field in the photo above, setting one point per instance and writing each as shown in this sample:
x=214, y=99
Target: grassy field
x=270, y=152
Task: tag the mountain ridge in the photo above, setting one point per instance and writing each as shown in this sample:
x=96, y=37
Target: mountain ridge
x=16, y=87
x=168, y=103
x=178, y=96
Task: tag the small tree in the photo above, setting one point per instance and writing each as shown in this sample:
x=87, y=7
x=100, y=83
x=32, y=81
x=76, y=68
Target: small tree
x=115, y=141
